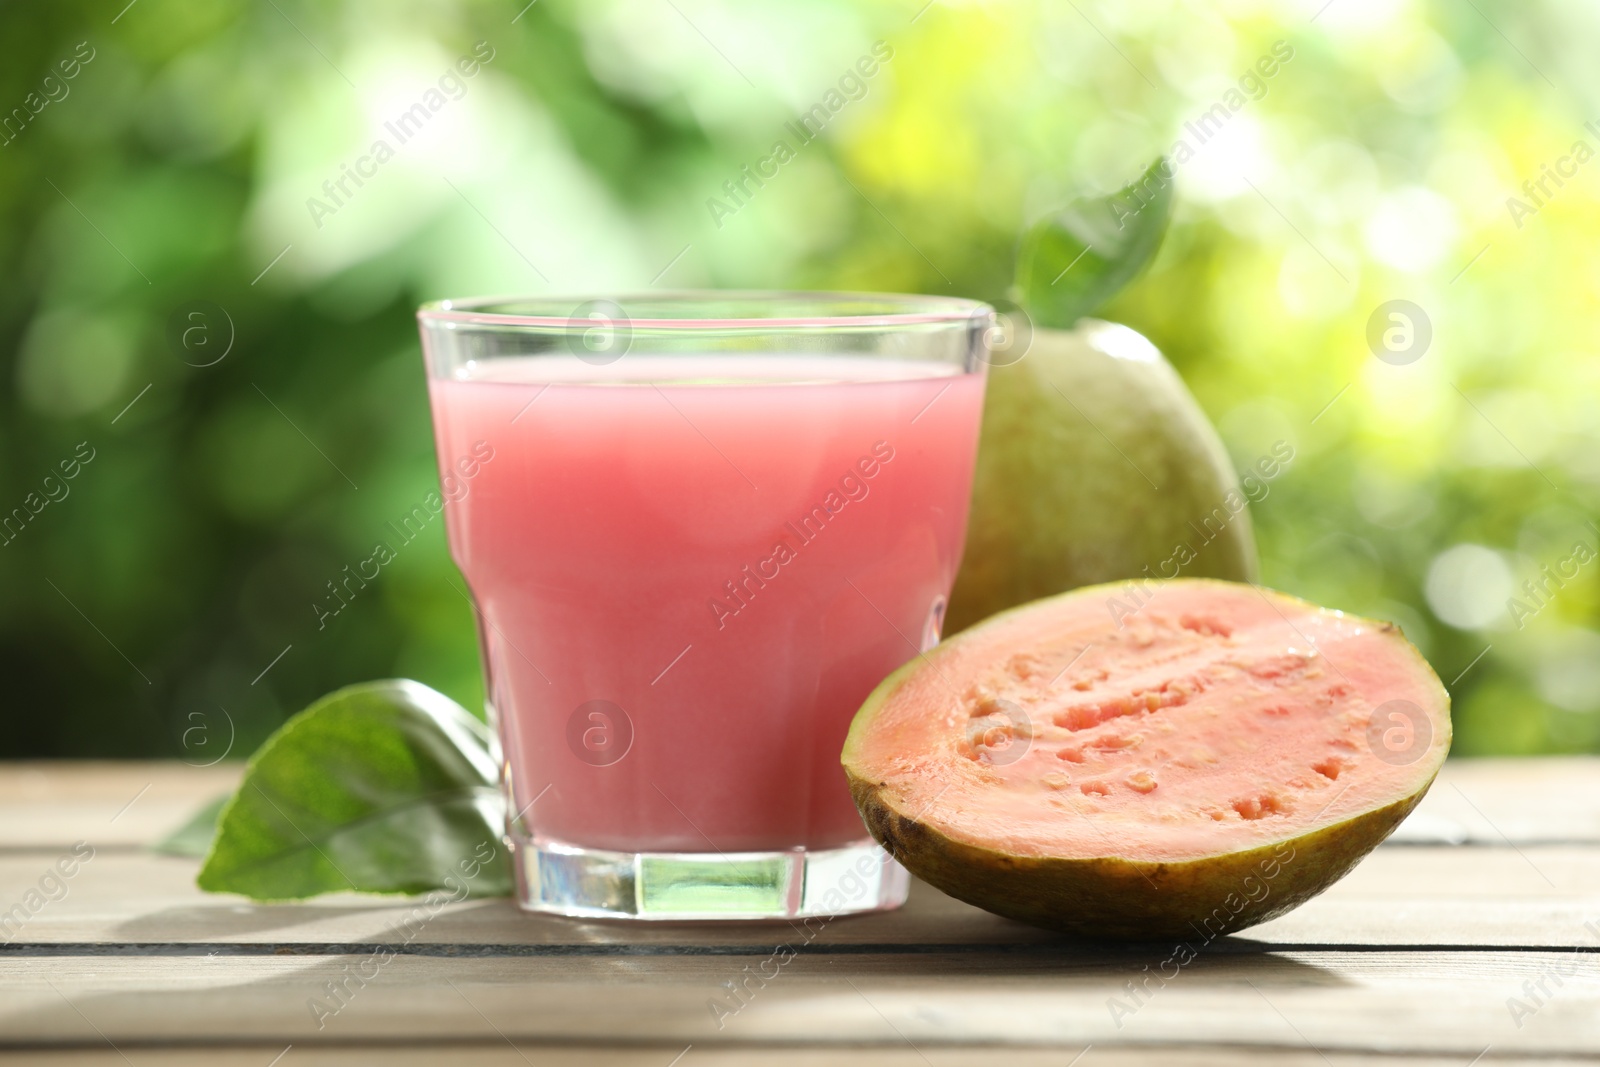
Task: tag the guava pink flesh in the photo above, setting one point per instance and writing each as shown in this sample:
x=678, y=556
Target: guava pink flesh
x=1159, y=722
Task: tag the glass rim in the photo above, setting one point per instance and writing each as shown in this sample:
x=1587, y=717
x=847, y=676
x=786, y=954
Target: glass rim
x=891, y=310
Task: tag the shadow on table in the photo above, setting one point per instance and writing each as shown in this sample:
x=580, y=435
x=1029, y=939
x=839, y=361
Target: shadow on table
x=1054, y=994
x=234, y=919
x=933, y=935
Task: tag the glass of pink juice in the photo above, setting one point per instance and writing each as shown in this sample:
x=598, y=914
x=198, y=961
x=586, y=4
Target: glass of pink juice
x=699, y=529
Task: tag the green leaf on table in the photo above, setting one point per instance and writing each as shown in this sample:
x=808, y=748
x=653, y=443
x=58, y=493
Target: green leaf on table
x=194, y=837
x=384, y=787
x=1075, y=260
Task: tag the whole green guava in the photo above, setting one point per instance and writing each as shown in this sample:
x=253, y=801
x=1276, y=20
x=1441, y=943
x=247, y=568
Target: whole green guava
x=1095, y=464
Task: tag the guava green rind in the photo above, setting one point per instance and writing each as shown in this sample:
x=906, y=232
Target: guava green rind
x=1094, y=464
x=1117, y=899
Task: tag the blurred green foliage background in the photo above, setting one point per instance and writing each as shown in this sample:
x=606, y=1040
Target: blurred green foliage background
x=175, y=164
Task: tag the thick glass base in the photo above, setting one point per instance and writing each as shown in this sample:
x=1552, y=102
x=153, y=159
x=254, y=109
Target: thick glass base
x=589, y=883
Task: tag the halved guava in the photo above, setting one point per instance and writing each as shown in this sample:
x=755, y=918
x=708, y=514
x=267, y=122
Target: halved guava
x=1148, y=760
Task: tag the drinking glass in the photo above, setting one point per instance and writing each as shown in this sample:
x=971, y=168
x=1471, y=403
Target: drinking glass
x=699, y=529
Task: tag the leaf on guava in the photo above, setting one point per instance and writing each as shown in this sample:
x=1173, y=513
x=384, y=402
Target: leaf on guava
x=1075, y=260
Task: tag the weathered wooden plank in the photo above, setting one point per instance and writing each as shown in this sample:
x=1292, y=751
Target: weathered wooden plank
x=51, y=805
x=1546, y=896
x=1503, y=801
x=1424, y=1002
x=938, y=974
x=502, y=1053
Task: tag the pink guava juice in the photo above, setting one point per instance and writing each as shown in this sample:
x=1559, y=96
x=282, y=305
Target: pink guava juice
x=691, y=571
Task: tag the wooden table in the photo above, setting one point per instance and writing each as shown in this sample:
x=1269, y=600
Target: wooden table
x=1477, y=928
